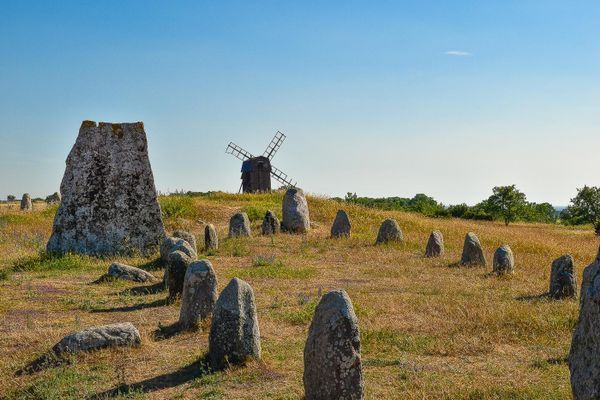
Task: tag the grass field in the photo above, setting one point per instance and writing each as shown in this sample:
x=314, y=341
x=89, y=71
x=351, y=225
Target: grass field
x=429, y=330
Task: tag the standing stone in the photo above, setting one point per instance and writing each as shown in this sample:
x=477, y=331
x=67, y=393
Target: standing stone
x=562, y=278
x=504, y=260
x=211, y=239
x=389, y=231
x=296, y=218
x=435, y=245
x=127, y=272
x=188, y=237
x=341, y=225
x=270, y=224
x=175, y=273
x=98, y=337
x=109, y=203
x=234, y=334
x=199, y=294
x=332, y=362
x=26, y=204
x=171, y=244
x=239, y=225
x=472, y=252
x=584, y=362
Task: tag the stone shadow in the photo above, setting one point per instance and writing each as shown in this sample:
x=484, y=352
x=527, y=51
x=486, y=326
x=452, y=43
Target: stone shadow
x=143, y=290
x=137, y=307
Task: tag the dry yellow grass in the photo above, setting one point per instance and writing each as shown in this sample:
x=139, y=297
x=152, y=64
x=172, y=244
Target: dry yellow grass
x=428, y=330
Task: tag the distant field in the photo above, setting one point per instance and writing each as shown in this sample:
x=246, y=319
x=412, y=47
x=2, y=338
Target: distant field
x=428, y=330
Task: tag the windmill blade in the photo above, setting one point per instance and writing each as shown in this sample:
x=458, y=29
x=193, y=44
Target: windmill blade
x=274, y=145
x=238, y=152
x=282, y=177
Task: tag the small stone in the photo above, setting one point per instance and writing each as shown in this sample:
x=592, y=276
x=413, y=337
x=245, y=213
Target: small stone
x=296, y=217
x=98, y=337
x=239, y=225
x=472, y=254
x=130, y=273
x=172, y=244
x=175, y=273
x=53, y=198
x=199, y=294
x=26, y=204
x=332, y=361
x=504, y=260
x=188, y=237
x=341, y=225
x=562, y=278
x=389, y=231
x=270, y=224
x=435, y=245
x=211, y=239
x=234, y=334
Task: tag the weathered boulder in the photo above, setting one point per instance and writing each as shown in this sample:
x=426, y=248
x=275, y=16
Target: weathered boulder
x=563, y=283
x=199, y=294
x=175, y=273
x=270, y=224
x=98, y=337
x=239, y=225
x=435, y=245
x=188, y=237
x=122, y=271
x=109, y=202
x=211, y=239
x=584, y=362
x=472, y=254
x=53, y=198
x=504, y=260
x=332, y=361
x=234, y=333
x=26, y=204
x=341, y=225
x=296, y=218
x=389, y=231
x=171, y=244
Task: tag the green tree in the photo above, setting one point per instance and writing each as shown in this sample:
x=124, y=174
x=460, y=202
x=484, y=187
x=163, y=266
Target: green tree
x=584, y=208
x=507, y=202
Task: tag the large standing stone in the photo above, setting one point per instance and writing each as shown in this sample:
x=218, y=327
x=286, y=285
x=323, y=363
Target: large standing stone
x=211, y=239
x=122, y=271
x=26, y=204
x=175, y=273
x=234, y=334
x=114, y=335
x=584, y=361
x=562, y=278
x=389, y=231
x=199, y=294
x=171, y=244
x=504, y=260
x=435, y=245
x=341, y=225
x=53, y=198
x=239, y=225
x=472, y=252
x=332, y=362
x=188, y=237
x=296, y=218
x=109, y=203
x=270, y=224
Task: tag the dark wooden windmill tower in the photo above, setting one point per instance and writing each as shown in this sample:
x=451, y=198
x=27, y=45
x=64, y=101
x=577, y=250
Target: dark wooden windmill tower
x=257, y=171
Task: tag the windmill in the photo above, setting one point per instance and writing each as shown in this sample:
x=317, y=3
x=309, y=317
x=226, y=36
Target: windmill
x=257, y=171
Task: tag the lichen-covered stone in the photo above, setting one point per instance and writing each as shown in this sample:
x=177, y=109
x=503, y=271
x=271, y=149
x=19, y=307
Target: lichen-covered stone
x=188, y=237
x=435, y=245
x=109, y=202
x=472, y=254
x=341, y=225
x=53, y=198
x=296, y=217
x=26, y=204
x=211, y=239
x=122, y=271
x=98, y=337
x=171, y=244
x=199, y=294
x=563, y=283
x=239, y=225
x=504, y=260
x=389, y=231
x=175, y=273
x=234, y=334
x=270, y=224
x=332, y=361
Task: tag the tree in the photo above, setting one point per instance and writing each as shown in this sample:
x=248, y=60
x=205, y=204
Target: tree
x=350, y=197
x=584, y=208
x=507, y=202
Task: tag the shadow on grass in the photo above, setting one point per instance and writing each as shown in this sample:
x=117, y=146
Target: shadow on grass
x=104, y=279
x=137, y=307
x=143, y=290
x=533, y=297
x=153, y=265
x=166, y=332
x=45, y=361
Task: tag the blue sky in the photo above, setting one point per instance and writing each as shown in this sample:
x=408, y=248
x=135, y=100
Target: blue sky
x=378, y=98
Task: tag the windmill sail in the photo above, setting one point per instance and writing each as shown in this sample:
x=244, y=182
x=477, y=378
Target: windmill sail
x=274, y=145
x=238, y=152
x=282, y=177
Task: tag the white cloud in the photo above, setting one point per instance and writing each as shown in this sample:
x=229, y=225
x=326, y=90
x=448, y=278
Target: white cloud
x=458, y=53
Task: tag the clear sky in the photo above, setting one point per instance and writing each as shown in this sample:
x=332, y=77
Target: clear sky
x=447, y=98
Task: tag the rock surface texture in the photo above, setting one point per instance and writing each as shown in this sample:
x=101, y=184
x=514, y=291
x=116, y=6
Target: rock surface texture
x=239, y=225
x=199, y=294
x=234, y=335
x=109, y=202
x=504, y=260
x=114, y=335
x=188, y=237
x=296, y=217
x=171, y=244
x=122, y=271
x=270, y=224
x=341, y=225
x=332, y=361
x=389, y=231
x=562, y=278
x=435, y=245
x=472, y=254
x=175, y=273
x=211, y=239
x=26, y=204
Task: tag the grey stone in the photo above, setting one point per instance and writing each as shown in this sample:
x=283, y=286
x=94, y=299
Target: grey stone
x=130, y=273
x=53, y=198
x=239, y=225
x=98, y=337
x=211, y=239
x=26, y=204
x=296, y=217
x=270, y=224
x=188, y=237
x=332, y=361
x=341, y=225
x=234, y=334
x=175, y=273
x=199, y=294
x=504, y=260
x=171, y=244
x=389, y=231
x=563, y=283
x=435, y=245
x=472, y=254
x=109, y=202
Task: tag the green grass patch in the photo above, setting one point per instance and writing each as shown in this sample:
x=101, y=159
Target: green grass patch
x=177, y=206
x=275, y=270
x=4, y=275
x=53, y=262
x=386, y=339
x=301, y=316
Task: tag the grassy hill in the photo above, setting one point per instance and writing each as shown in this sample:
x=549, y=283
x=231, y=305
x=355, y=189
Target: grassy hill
x=429, y=329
